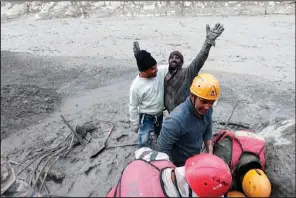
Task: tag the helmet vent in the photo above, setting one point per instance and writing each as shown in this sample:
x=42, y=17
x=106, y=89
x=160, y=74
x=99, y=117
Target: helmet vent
x=206, y=184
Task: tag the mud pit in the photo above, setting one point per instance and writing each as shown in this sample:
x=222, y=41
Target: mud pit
x=91, y=69
x=22, y=104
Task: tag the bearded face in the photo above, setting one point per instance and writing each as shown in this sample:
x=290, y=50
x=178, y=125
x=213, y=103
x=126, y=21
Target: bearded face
x=175, y=62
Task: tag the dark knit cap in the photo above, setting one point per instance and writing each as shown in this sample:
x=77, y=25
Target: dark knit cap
x=144, y=60
x=177, y=53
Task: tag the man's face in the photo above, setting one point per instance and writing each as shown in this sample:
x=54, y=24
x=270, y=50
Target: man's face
x=202, y=105
x=175, y=62
x=152, y=72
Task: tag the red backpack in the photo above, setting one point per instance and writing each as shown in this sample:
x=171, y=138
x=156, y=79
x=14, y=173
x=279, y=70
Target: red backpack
x=241, y=150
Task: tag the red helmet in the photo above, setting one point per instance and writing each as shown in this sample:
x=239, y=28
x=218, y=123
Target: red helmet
x=208, y=175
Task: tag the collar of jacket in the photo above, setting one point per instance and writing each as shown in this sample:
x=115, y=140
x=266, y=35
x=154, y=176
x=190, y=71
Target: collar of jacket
x=173, y=71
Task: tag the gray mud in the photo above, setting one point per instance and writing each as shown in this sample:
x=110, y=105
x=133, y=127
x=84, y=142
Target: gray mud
x=95, y=88
x=280, y=158
x=22, y=105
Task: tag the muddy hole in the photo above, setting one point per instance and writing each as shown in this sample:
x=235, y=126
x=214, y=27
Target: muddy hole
x=22, y=105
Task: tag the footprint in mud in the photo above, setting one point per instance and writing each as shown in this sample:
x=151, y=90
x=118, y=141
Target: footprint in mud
x=121, y=137
x=91, y=168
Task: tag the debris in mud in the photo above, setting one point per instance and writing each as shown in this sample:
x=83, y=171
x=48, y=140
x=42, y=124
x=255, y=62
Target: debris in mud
x=43, y=161
x=231, y=126
x=22, y=104
x=236, y=126
x=78, y=137
x=104, y=144
x=123, y=145
x=87, y=127
x=56, y=176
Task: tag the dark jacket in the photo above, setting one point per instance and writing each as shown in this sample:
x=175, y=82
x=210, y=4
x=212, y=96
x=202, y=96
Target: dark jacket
x=177, y=83
x=183, y=133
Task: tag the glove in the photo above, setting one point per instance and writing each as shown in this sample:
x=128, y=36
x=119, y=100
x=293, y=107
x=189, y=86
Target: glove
x=136, y=47
x=214, y=33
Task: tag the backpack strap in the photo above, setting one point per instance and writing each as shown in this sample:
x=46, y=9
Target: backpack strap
x=118, y=186
x=222, y=133
x=176, y=186
x=190, y=191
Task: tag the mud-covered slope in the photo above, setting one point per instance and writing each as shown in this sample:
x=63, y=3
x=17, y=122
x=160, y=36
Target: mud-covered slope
x=22, y=105
x=280, y=157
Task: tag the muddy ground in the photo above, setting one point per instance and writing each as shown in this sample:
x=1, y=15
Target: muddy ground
x=280, y=158
x=83, y=68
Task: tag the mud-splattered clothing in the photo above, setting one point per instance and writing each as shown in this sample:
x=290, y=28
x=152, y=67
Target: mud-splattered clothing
x=149, y=124
x=146, y=96
x=177, y=83
x=183, y=133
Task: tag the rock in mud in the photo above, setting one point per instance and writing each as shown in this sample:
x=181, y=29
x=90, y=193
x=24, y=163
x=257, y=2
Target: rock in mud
x=23, y=104
x=280, y=157
x=87, y=127
x=55, y=175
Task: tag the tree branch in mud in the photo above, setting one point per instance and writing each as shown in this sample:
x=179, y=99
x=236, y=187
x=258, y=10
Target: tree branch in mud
x=40, y=154
x=231, y=114
x=50, y=156
x=72, y=130
x=42, y=183
x=237, y=125
x=55, y=154
x=18, y=164
x=122, y=145
x=70, y=147
x=48, y=160
x=104, y=145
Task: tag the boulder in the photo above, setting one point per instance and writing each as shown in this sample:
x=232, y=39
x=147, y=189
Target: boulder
x=280, y=157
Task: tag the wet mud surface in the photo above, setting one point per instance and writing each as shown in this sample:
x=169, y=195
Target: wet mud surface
x=95, y=89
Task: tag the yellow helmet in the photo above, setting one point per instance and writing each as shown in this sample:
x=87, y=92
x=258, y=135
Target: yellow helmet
x=256, y=184
x=235, y=193
x=205, y=86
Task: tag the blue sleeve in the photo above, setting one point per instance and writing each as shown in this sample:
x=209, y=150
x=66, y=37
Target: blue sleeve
x=208, y=135
x=170, y=134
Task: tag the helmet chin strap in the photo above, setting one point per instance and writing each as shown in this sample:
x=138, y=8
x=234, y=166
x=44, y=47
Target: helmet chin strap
x=193, y=103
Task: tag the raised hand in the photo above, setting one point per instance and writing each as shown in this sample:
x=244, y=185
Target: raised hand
x=214, y=33
x=136, y=47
